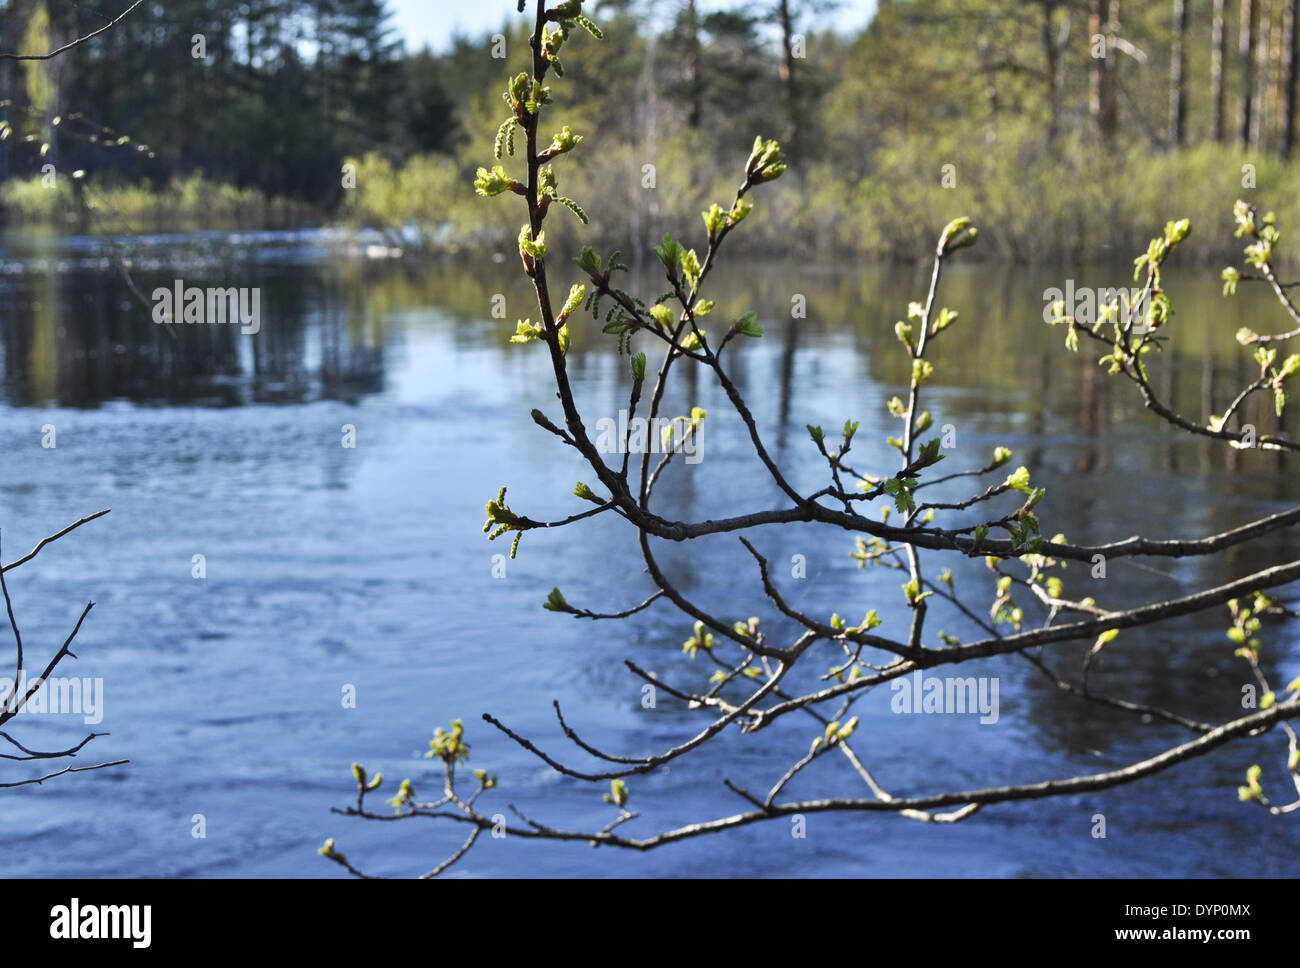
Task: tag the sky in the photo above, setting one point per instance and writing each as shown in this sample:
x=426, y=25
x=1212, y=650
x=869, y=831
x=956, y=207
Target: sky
x=435, y=21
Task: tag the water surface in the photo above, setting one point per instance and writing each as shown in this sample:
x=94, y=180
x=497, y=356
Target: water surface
x=330, y=568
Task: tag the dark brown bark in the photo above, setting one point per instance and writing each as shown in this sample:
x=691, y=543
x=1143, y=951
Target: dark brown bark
x=1249, y=29
x=788, y=79
x=694, y=86
x=787, y=50
x=1052, y=54
x=1177, y=103
x=1103, y=20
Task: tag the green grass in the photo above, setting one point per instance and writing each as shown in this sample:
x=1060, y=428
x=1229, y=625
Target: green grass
x=192, y=202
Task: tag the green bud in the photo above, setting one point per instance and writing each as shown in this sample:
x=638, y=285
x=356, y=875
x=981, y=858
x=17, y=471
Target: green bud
x=747, y=325
x=663, y=316
x=715, y=219
x=957, y=234
x=526, y=331
x=566, y=140
x=618, y=793
x=670, y=253
x=691, y=268
x=1231, y=277
x=1175, y=232
x=492, y=183
x=528, y=246
x=1019, y=480
x=577, y=294
x=766, y=162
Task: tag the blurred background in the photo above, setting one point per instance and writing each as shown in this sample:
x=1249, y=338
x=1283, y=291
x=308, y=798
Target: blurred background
x=1067, y=130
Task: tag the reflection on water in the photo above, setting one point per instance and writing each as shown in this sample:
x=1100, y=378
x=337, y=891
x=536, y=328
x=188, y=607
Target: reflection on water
x=331, y=567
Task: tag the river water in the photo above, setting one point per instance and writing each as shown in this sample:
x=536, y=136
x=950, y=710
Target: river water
x=333, y=571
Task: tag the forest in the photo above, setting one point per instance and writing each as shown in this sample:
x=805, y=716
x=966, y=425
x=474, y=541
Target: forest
x=1064, y=128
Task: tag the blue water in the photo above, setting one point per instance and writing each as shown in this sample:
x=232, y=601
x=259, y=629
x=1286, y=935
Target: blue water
x=330, y=568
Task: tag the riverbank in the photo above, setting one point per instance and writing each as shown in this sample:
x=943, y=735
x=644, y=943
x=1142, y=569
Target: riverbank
x=1034, y=203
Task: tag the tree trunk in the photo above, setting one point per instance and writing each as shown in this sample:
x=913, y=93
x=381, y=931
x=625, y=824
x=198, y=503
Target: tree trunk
x=1053, y=71
x=1264, y=52
x=695, y=89
x=793, y=141
x=1249, y=25
x=1272, y=120
x=1110, y=104
x=1097, y=66
x=1177, y=106
x=1103, y=19
x=787, y=63
x=1289, y=51
x=1218, y=53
